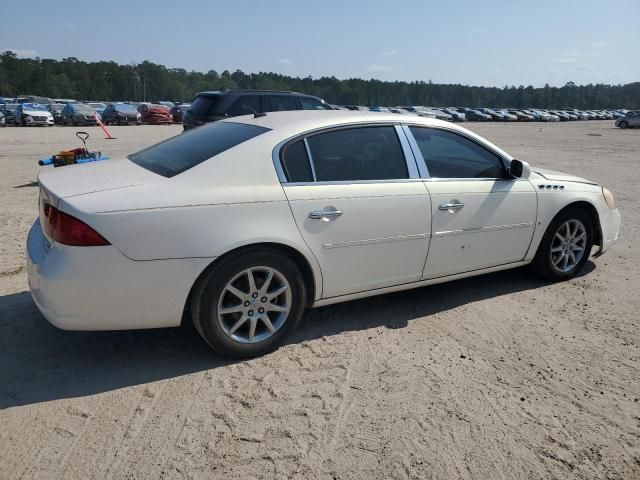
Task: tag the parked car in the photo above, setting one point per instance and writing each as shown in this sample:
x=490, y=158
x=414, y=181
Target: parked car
x=178, y=111
x=507, y=116
x=56, y=110
x=475, y=115
x=631, y=119
x=9, y=110
x=34, y=99
x=492, y=113
x=78, y=114
x=99, y=107
x=244, y=223
x=121, y=114
x=457, y=116
x=521, y=116
x=3, y=121
x=155, y=114
x=33, y=114
x=217, y=105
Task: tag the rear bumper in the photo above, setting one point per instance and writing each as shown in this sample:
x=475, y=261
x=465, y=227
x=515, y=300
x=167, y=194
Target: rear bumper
x=98, y=288
x=610, y=227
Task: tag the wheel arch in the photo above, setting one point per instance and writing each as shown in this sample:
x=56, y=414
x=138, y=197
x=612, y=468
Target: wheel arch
x=312, y=278
x=592, y=211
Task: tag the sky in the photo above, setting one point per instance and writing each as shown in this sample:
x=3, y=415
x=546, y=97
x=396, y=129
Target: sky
x=483, y=42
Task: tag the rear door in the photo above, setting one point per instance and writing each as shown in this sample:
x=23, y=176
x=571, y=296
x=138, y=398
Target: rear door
x=279, y=103
x=360, y=206
x=481, y=218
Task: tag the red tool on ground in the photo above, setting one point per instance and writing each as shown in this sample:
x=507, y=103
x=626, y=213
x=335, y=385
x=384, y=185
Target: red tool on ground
x=108, y=137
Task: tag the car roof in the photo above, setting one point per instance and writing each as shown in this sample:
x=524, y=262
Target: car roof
x=251, y=92
x=288, y=124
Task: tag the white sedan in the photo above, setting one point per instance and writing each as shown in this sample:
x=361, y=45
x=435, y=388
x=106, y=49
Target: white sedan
x=242, y=224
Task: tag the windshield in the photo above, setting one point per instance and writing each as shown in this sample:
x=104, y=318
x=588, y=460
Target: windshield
x=82, y=108
x=184, y=151
x=125, y=107
x=33, y=106
x=97, y=105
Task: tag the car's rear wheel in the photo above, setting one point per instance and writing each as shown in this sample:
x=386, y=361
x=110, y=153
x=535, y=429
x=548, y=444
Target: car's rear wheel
x=247, y=304
x=565, y=246
x=623, y=124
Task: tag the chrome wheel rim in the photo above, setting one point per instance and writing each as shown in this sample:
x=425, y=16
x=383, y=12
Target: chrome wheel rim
x=568, y=245
x=254, y=304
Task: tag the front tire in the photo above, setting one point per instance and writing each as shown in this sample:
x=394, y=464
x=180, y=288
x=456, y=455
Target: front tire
x=249, y=303
x=565, y=246
x=624, y=124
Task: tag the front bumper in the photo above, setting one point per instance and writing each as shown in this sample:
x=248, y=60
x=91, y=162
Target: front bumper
x=98, y=288
x=38, y=121
x=610, y=228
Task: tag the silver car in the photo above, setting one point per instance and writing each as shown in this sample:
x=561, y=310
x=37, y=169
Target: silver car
x=631, y=119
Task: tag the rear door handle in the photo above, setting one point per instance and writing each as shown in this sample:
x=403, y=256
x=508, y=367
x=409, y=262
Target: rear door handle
x=327, y=213
x=453, y=205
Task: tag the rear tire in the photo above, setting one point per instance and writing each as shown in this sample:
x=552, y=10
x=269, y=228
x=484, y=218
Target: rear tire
x=565, y=246
x=239, y=313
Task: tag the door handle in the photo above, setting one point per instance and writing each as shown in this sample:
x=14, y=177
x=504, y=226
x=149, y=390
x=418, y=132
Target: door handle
x=453, y=205
x=327, y=213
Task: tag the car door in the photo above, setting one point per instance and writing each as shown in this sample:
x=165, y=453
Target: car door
x=481, y=218
x=360, y=205
x=634, y=119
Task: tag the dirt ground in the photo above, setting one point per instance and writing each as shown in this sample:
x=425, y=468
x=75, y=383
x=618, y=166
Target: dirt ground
x=500, y=376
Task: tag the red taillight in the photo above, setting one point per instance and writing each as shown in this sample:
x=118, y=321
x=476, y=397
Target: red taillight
x=68, y=230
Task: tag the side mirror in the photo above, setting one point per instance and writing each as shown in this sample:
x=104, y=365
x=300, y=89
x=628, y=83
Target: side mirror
x=519, y=169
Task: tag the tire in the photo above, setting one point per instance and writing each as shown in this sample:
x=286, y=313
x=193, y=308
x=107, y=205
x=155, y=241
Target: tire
x=221, y=330
x=624, y=124
x=550, y=264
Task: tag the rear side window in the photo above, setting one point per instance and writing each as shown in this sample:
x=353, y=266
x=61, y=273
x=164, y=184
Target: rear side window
x=449, y=155
x=245, y=105
x=366, y=153
x=295, y=162
x=184, y=151
x=280, y=103
x=310, y=103
x=205, y=105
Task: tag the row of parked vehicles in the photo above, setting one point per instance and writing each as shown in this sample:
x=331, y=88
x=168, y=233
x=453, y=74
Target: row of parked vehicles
x=483, y=114
x=47, y=112
x=215, y=105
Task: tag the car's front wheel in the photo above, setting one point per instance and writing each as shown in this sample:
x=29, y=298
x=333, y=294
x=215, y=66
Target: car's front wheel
x=624, y=124
x=565, y=246
x=247, y=304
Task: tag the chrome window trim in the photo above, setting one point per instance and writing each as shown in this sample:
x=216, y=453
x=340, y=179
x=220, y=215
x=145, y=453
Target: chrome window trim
x=414, y=175
x=310, y=159
x=422, y=165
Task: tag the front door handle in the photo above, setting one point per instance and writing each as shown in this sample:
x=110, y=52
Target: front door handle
x=453, y=205
x=326, y=214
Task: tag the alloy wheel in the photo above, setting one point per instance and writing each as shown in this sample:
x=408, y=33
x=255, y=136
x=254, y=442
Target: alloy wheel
x=568, y=245
x=254, y=304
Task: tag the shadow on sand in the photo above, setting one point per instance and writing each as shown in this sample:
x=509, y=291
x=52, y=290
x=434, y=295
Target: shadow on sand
x=39, y=363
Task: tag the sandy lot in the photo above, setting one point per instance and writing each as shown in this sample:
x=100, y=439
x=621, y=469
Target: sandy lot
x=501, y=376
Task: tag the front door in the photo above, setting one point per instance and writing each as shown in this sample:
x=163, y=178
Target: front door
x=480, y=217
x=359, y=206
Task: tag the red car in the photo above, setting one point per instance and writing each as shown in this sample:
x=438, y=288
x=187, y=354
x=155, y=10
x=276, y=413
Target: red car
x=155, y=114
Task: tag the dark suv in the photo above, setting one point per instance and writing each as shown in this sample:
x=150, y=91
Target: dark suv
x=217, y=105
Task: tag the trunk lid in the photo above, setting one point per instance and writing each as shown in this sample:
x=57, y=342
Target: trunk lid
x=92, y=177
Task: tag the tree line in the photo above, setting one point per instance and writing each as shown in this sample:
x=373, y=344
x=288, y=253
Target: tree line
x=147, y=81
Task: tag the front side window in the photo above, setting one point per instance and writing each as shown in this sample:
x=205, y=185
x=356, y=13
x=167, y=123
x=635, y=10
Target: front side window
x=310, y=103
x=245, y=105
x=280, y=103
x=449, y=155
x=205, y=105
x=366, y=153
x=182, y=152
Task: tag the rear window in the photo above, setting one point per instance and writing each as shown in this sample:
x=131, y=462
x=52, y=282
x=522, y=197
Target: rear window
x=205, y=105
x=184, y=151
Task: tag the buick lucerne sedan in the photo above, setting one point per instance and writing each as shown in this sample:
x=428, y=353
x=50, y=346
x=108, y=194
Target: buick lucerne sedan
x=241, y=224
